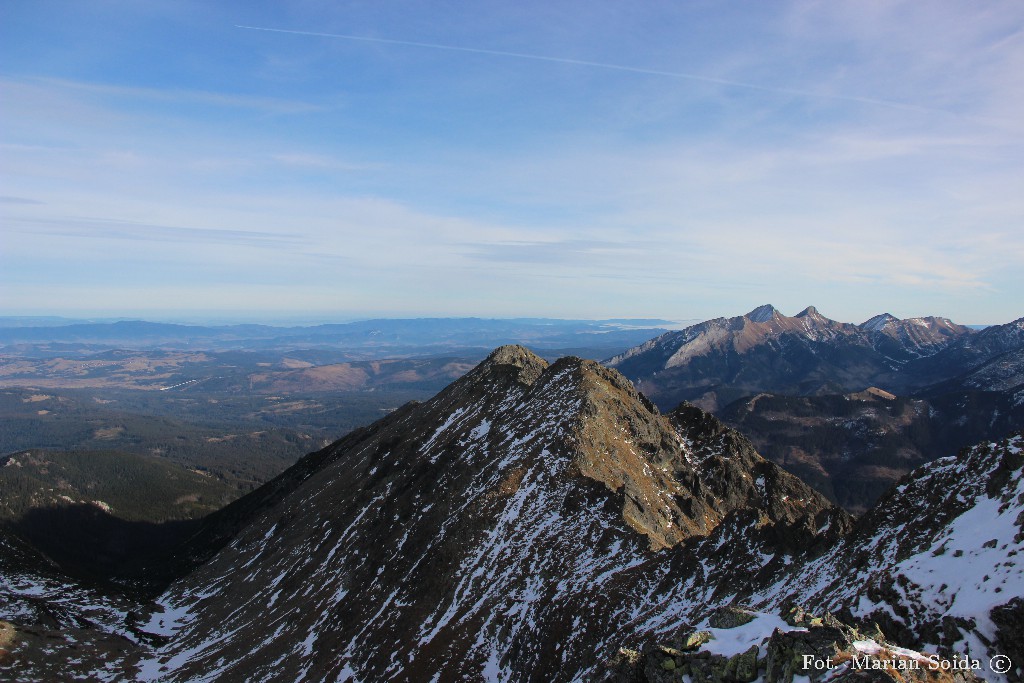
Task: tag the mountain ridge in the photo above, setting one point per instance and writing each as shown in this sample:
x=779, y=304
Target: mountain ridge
x=568, y=483
x=767, y=351
x=534, y=518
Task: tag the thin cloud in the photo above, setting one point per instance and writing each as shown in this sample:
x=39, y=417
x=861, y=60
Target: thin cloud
x=318, y=161
x=112, y=229
x=177, y=95
x=564, y=251
x=604, y=65
x=18, y=200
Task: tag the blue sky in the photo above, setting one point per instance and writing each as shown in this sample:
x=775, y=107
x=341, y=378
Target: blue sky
x=573, y=159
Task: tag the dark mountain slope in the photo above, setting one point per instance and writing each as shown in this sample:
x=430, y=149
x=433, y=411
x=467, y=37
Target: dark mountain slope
x=469, y=536
x=218, y=529
x=134, y=487
x=972, y=351
x=56, y=628
x=853, y=447
x=101, y=514
x=1003, y=372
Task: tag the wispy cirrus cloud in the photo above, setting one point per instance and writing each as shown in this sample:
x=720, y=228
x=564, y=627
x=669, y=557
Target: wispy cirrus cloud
x=319, y=161
x=173, y=95
x=123, y=230
x=18, y=200
x=702, y=78
x=579, y=252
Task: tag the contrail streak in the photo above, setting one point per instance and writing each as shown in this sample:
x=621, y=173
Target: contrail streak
x=601, y=65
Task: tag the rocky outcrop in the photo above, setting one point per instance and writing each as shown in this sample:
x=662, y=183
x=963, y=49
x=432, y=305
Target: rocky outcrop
x=1009, y=622
x=934, y=564
x=801, y=645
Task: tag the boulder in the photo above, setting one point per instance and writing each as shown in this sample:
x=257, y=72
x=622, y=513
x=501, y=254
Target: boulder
x=729, y=617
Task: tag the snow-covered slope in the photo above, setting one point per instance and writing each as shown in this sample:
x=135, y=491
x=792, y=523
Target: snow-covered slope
x=516, y=523
x=57, y=627
x=938, y=562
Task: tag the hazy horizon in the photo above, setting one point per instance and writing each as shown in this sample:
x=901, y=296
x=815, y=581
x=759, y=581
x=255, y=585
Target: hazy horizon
x=577, y=160
x=293, y=318
x=301, y=319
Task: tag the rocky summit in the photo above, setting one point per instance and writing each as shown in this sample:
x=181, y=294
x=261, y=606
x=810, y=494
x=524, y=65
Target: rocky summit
x=535, y=521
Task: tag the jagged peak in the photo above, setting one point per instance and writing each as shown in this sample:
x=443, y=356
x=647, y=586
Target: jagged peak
x=879, y=322
x=810, y=312
x=610, y=376
x=728, y=461
x=514, y=354
x=762, y=314
x=528, y=365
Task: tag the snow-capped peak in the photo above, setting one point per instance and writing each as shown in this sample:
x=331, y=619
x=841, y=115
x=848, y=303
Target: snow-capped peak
x=762, y=314
x=879, y=322
x=810, y=312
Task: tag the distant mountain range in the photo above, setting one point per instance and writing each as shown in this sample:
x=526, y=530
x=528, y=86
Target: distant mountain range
x=784, y=381
x=720, y=360
x=545, y=521
x=849, y=408
x=375, y=338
